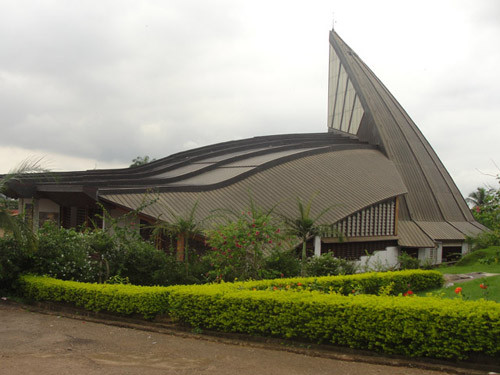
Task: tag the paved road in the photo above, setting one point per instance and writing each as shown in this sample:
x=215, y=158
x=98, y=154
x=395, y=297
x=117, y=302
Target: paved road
x=35, y=343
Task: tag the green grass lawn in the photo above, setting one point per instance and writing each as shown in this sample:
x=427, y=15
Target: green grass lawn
x=470, y=290
x=473, y=262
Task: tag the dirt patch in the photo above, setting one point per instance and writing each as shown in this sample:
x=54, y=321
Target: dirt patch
x=32, y=342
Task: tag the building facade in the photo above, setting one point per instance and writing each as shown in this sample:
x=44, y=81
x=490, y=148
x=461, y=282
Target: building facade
x=388, y=190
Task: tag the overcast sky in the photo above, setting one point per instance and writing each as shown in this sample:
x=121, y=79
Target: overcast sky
x=94, y=84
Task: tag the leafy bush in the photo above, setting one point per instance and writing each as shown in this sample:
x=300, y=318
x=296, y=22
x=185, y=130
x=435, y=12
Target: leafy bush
x=328, y=265
x=238, y=247
x=281, y=264
x=14, y=259
x=407, y=262
x=63, y=254
x=485, y=239
x=98, y=256
x=143, y=264
x=477, y=256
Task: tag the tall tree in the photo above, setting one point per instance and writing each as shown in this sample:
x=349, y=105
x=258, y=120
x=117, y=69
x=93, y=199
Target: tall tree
x=141, y=160
x=480, y=197
x=486, y=206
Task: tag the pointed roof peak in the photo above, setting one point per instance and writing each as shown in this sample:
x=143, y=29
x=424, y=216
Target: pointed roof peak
x=359, y=103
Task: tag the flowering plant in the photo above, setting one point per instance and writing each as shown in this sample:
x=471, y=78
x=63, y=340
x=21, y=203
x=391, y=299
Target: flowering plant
x=237, y=247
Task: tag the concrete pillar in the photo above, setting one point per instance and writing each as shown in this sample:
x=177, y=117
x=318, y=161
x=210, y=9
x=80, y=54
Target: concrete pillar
x=439, y=254
x=392, y=255
x=317, y=246
x=423, y=254
x=465, y=248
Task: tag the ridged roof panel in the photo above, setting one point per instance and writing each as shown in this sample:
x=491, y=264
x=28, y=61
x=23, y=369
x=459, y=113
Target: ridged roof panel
x=329, y=175
x=410, y=235
x=207, y=167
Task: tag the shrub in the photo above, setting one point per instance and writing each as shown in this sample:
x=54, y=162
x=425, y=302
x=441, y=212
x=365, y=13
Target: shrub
x=98, y=256
x=484, y=256
x=238, y=247
x=14, y=259
x=328, y=265
x=63, y=254
x=407, y=262
x=106, y=255
x=281, y=264
x=143, y=264
x=485, y=239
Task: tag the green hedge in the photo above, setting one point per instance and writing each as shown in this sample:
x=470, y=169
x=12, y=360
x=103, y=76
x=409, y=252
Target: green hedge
x=412, y=326
x=421, y=326
x=124, y=299
x=364, y=283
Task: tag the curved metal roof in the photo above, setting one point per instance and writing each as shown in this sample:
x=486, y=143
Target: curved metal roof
x=338, y=168
x=347, y=180
x=203, y=168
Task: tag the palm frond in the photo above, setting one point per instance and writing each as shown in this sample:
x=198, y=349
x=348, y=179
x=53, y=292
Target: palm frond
x=28, y=166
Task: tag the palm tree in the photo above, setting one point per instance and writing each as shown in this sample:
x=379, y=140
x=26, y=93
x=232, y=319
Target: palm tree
x=9, y=223
x=480, y=197
x=304, y=225
x=183, y=227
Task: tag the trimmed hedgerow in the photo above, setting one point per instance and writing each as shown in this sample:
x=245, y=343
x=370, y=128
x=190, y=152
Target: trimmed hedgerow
x=366, y=283
x=424, y=327
x=117, y=298
x=412, y=326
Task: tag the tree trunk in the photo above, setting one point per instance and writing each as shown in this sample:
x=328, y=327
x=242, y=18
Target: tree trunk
x=180, y=247
x=186, y=253
x=304, y=256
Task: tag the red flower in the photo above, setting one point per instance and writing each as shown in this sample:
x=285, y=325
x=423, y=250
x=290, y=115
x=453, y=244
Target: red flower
x=274, y=288
x=299, y=284
x=483, y=286
x=458, y=290
x=408, y=293
x=353, y=291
